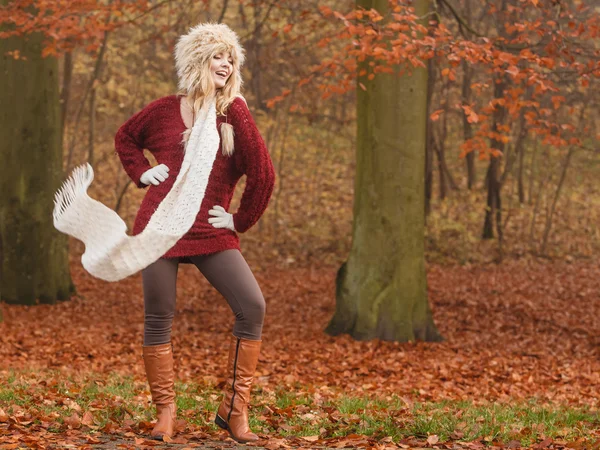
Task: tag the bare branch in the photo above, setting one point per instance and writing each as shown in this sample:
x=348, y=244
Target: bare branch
x=461, y=22
x=223, y=11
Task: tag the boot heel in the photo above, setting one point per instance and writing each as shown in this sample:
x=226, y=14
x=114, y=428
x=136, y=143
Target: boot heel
x=220, y=422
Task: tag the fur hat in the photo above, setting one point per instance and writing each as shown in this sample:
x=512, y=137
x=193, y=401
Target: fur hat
x=202, y=42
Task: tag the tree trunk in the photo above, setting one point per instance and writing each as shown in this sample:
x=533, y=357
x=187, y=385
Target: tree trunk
x=493, y=197
x=65, y=92
x=35, y=263
x=493, y=211
x=1, y=273
x=381, y=290
x=256, y=60
x=91, y=127
x=467, y=127
x=521, y=185
x=441, y=172
x=446, y=178
x=430, y=138
x=532, y=172
x=466, y=98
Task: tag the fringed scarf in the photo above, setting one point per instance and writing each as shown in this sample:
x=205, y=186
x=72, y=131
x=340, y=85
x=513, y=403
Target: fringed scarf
x=111, y=254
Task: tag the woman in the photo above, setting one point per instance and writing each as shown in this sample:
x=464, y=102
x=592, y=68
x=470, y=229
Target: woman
x=208, y=61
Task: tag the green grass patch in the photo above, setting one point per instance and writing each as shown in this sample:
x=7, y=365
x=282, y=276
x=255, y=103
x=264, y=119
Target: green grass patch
x=524, y=422
x=54, y=400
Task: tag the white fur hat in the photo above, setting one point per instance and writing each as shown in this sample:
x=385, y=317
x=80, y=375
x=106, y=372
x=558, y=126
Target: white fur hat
x=202, y=42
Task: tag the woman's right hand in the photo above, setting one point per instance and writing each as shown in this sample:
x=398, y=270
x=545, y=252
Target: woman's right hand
x=156, y=175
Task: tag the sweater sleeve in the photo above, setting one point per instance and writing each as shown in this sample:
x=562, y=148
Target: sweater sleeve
x=253, y=160
x=129, y=145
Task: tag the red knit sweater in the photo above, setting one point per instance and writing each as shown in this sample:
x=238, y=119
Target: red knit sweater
x=159, y=127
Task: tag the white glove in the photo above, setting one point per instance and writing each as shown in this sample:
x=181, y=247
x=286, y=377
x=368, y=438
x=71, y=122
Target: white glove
x=221, y=219
x=156, y=175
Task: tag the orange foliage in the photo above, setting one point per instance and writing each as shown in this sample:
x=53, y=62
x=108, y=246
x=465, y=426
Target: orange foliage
x=566, y=64
x=68, y=24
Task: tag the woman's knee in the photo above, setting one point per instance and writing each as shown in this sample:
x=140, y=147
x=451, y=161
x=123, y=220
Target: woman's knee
x=251, y=310
x=249, y=321
x=159, y=307
x=256, y=308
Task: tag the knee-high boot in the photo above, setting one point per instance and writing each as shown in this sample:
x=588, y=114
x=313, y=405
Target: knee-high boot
x=158, y=361
x=233, y=411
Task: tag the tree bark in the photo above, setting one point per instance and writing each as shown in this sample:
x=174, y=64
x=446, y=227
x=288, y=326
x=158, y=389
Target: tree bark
x=65, y=92
x=35, y=265
x=91, y=127
x=493, y=205
x=467, y=127
x=493, y=212
x=521, y=185
x=532, y=172
x=255, y=65
x=430, y=138
x=466, y=98
x=441, y=172
x=381, y=290
x=446, y=178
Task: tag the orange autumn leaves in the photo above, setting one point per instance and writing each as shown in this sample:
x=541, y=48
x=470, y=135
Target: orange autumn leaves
x=544, y=53
x=66, y=25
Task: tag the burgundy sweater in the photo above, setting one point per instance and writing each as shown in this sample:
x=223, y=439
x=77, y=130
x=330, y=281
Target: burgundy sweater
x=159, y=127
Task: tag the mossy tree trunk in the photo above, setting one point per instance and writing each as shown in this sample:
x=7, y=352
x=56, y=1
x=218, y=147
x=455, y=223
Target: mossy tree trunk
x=381, y=290
x=34, y=254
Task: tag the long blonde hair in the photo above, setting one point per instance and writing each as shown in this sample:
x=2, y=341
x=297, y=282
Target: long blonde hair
x=193, y=57
x=205, y=89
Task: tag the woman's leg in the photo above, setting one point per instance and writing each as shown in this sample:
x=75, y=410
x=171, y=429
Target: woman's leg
x=159, y=282
x=229, y=273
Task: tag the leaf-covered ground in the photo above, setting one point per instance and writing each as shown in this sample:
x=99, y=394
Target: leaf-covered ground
x=521, y=332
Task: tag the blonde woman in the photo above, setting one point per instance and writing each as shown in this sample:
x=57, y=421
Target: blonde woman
x=208, y=61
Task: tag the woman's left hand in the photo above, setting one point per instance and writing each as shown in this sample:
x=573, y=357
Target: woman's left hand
x=221, y=219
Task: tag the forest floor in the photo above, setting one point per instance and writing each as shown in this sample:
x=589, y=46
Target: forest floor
x=519, y=365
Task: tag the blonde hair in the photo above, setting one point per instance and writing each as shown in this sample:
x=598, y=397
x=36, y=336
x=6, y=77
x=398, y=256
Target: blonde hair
x=193, y=56
x=224, y=97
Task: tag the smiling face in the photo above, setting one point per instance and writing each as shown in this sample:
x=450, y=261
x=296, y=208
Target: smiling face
x=221, y=67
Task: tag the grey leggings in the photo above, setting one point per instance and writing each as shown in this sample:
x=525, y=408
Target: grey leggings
x=229, y=274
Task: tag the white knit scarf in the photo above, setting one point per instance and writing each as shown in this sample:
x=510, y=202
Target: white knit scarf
x=111, y=254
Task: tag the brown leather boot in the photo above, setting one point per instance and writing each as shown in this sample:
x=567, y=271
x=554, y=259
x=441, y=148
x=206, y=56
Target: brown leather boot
x=158, y=361
x=233, y=411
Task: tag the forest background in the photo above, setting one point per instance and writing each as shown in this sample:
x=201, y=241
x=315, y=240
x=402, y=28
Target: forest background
x=511, y=237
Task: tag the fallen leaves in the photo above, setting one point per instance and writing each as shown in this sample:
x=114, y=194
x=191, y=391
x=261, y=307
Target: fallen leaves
x=88, y=419
x=512, y=332
x=433, y=439
x=74, y=421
